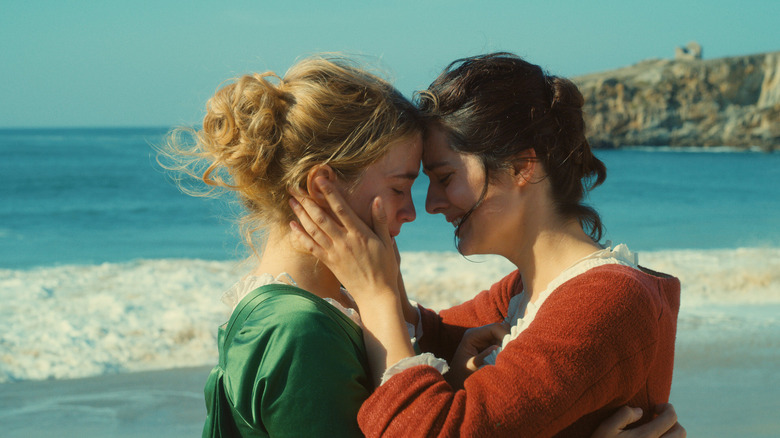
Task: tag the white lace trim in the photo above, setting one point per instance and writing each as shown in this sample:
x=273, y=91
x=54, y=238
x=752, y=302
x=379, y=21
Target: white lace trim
x=408, y=362
x=350, y=312
x=238, y=291
x=235, y=294
x=521, y=312
x=415, y=332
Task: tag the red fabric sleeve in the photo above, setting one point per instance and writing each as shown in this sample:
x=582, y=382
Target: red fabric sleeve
x=590, y=348
x=442, y=332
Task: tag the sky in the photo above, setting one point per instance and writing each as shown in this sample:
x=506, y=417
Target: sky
x=110, y=63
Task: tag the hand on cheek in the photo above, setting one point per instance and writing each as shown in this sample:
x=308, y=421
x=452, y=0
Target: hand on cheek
x=364, y=260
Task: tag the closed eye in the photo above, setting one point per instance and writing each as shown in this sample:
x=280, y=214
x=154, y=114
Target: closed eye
x=445, y=178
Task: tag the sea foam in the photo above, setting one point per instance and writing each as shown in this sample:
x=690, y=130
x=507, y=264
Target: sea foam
x=83, y=320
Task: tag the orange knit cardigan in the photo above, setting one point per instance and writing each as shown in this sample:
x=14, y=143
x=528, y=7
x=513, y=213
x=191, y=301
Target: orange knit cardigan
x=601, y=340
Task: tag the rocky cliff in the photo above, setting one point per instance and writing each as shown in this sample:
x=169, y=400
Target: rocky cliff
x=686, y=102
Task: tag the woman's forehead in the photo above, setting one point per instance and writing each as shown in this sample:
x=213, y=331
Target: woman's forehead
x=403, y=157
x=437, y=151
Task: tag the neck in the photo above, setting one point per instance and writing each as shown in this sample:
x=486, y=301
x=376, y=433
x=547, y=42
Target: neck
x=279, y=256
x=552, y=249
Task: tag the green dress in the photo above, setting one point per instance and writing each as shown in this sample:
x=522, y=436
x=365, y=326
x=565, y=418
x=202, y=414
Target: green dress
x=290, y=365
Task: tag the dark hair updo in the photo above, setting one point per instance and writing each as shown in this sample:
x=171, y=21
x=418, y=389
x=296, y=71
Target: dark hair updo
x=497, y=105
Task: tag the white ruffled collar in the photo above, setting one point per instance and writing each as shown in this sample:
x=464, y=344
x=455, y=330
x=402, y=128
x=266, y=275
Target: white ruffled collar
x=238, y=291
x=617, y=255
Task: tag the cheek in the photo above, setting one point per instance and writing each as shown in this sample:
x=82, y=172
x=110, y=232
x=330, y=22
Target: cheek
x=461, y=196
x=362, y=208
x=393, y=205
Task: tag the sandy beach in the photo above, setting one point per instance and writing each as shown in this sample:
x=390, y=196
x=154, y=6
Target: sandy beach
x=712, y=402
x=154, y=403
x=111, y=274
x=725, y=383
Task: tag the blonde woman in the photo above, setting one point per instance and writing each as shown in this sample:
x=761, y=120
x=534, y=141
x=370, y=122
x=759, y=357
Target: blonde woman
x=291, y=358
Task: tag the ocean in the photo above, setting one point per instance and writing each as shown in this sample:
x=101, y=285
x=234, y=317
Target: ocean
x=107, y=269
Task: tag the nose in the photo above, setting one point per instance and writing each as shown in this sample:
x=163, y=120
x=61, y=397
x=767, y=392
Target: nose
x=434, y=199
x=407, y=212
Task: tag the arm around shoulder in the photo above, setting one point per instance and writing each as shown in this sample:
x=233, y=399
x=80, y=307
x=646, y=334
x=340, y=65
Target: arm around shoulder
x=590, y=347
x=442, y=332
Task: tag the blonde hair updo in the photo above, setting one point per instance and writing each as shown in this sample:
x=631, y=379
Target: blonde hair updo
x=262, y=134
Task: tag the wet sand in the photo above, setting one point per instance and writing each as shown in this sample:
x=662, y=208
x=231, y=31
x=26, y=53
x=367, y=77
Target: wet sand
x=155, y=403
x=713, y=402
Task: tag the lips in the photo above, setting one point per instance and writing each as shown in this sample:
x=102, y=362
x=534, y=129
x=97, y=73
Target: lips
x=456, y=221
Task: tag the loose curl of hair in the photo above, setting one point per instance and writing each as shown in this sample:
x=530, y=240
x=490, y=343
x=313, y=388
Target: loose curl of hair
x=497, y=105
x=262, y=134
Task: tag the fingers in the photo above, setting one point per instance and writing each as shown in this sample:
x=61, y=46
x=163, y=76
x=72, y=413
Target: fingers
x=664, y=425
x=477, y=361
x=666, y=418
x=489, y=334
x=338, y=205
x=379, y=217
x=618, y=421
x=303, y=242
x=667, y=421
x=315, y=218
x=677, y=431
x=314, y=222
x=499, y=330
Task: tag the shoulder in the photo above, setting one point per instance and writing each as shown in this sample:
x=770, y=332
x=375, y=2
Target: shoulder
x=511, y=281
x=615, y=280
x=294, y=364
x=294, y=330
x=507, y=287
x=493, y=304
x=610, y=294
x=609, y=308
x=296, y=317
x=300, y=310
x=619, y=306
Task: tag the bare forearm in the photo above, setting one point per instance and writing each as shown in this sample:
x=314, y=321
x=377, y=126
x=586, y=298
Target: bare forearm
x=385, y=335
x=409, y=310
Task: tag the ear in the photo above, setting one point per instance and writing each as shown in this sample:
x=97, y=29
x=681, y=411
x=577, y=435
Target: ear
x=524, y=167
x=319, y=171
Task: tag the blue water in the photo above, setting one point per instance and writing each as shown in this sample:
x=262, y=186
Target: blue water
x=87, y=196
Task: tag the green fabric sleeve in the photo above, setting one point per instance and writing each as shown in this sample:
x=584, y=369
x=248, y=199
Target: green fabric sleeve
x=294, y=370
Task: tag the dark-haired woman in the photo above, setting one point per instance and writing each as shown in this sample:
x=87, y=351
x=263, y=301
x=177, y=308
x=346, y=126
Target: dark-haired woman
x=581, y=328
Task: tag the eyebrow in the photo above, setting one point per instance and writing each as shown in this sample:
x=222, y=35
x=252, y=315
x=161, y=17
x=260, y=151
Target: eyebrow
x=407, y=175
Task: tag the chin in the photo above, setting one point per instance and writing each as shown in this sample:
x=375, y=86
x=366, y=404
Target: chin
x=469, y=252
x=467, y=244
x=465, y=248
x=472, y=245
